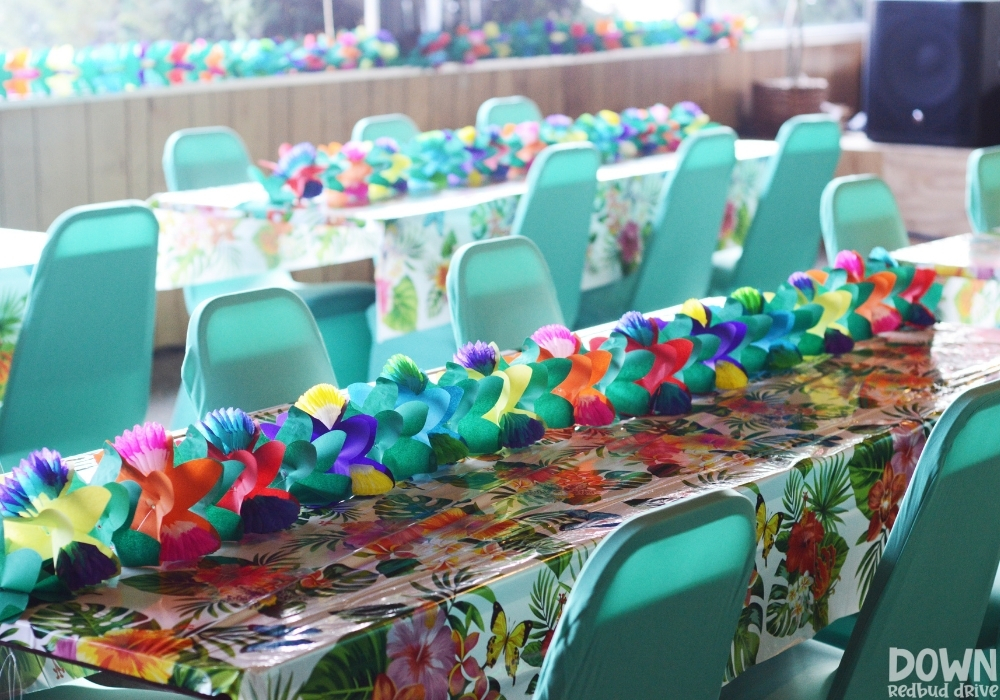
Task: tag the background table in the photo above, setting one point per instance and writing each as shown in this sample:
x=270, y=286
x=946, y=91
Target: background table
x=409, y=584
x=21, y=250
x=968, y=267
x=223, y=232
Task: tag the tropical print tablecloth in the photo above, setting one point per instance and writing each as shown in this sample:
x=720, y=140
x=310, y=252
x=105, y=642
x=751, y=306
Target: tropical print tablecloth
x=968, y=268
x=412, y=266
x=14, y=285
x=450, y=586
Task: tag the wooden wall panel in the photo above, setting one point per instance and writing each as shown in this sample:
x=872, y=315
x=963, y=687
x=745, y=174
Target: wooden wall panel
x=108, y=151
x=61, y=149
x=55, y=154
x=18, y=170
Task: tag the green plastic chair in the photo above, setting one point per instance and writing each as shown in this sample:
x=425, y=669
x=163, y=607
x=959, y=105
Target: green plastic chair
x=498, y=111
x=655, y=608
x=430, y=348
x=84, y=689
x=858, y=212
x=785, y=232
x=205, y=156
x=253, y=350
x=500, y=290
x=982, y=189
x=933, y=583
x=677, y=264
x=397, y=126
x=555, y=213
x=81, y=371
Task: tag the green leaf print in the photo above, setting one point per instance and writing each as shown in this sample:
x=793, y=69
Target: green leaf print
x=87, y=620
x=348, y=671
x=866, y=467
x=403, y=315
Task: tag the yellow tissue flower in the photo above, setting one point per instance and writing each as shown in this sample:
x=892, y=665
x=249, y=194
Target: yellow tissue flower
x=610, y=117
x=324, y=402
x=491, y=30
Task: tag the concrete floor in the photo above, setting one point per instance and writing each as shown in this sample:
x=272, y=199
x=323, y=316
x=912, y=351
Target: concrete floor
x=166, y=381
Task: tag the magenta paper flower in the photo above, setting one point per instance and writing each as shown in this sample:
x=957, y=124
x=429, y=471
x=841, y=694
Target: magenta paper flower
x=557, y=340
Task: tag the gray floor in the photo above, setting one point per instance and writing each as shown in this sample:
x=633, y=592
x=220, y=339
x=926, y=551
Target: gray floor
x=166, y=380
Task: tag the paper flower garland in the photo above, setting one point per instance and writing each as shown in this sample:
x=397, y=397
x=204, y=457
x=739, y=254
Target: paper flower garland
x=56, y=532
x=152, y=501
x=356, y=173
x=112, y=68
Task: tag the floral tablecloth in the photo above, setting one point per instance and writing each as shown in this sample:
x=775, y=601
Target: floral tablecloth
x=20, y=250
x=377, y=596
x=968, y=268
x=223, y=232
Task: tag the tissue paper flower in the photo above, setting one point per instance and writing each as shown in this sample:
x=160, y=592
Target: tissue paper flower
x=479, y=357
x=46, y=510
x=346, y=456
x=232, y=435
x=168, y=492
x=556, y=340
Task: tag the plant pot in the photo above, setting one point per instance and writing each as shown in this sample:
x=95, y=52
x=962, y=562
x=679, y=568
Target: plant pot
x=776, y=100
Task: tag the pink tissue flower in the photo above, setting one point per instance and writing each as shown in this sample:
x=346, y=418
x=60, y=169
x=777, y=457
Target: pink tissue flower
x=557, y=340
x=146, y=447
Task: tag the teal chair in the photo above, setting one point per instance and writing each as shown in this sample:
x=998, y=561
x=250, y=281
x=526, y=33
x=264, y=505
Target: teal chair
x=785, y=232
x=396, y=126
x=500, y=290
x=654, y=610
x=253, y=350
x=429, y=348
x=498, y=111
x=677, y=264
x=933, y=583
x=858, y=212
x=81, y=371
x=982, y=190
x=205, y=156
x=555, y=213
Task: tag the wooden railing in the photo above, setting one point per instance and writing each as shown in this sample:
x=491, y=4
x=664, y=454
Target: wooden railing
x=58, y=153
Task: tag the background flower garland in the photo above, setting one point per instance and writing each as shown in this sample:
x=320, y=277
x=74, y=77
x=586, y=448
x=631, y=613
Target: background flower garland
x=110, y=68
x=359, y=172
x=155, y=499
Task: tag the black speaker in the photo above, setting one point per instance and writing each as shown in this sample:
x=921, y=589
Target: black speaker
x=933, y=73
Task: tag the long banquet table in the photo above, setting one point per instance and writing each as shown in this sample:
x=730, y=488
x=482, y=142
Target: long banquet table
x=222, y=232
x=968, y=268
x=409, y=588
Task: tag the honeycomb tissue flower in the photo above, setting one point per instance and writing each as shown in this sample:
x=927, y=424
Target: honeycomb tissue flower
x=557, y=340
x=147, y=448
x=228, y=429
x=324, y=402
x=404, y=371
x=637, y=327
x=478, y=356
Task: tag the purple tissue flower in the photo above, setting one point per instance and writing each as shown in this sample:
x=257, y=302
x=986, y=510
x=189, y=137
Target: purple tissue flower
x=477, y=356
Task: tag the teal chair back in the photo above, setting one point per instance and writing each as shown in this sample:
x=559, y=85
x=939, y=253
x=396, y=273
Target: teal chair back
x=340, y=311
x=677, y=264
x=933, y=583
x=654, y=610
x=396, y=126
x=500, y=290
x=253, y=350
x=858, y=212
x=785, y=232
x=81, y=370
x=206, y=156
x=555, y=213
x=982, y=189
x=515, y=109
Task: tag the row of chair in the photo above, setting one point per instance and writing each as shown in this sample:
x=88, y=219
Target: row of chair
x=654, y=610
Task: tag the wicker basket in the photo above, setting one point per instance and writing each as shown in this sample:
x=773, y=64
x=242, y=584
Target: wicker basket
x=778, y=99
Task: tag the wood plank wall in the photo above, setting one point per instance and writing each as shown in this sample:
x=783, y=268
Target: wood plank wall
x=55, y=154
